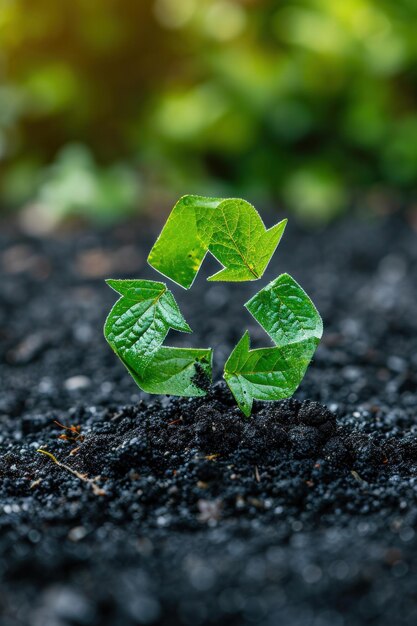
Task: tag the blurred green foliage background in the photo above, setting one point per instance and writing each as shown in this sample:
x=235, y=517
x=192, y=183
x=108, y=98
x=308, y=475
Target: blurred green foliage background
x=109, y=107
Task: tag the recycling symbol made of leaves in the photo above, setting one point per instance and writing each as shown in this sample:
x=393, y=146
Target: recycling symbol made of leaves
x=233, y=232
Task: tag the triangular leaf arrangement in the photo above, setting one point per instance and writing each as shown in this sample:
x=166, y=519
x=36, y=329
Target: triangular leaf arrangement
x=233, y=232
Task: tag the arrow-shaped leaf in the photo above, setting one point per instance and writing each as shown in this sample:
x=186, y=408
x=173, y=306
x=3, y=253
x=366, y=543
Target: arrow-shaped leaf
x=290, y=318
x=136, y=328
x=230, y=229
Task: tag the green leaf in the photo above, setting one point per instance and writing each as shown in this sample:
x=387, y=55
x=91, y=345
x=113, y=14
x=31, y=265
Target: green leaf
x=136, y=329
x=230, y=229
x=240, y=241
x=290, y=318
x=285, y=312
x=177, y=372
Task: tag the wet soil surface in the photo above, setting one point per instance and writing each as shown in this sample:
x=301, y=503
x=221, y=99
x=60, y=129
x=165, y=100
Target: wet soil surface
x=172, y=511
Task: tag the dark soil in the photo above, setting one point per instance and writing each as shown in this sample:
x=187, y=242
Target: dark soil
x=175, y=511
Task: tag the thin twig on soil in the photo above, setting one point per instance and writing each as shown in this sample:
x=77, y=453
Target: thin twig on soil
x=358, y=478
x=74, y=430
x=97, y=490
x=211, y=457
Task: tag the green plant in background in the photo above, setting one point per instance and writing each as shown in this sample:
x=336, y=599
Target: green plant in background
x=233, y=232
x=307, y=102
x=76, y=185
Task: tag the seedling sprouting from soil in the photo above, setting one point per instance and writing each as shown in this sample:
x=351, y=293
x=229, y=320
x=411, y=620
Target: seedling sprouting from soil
x=233, y=232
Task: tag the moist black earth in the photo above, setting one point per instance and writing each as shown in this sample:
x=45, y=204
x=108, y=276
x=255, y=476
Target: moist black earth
x=155, y=510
